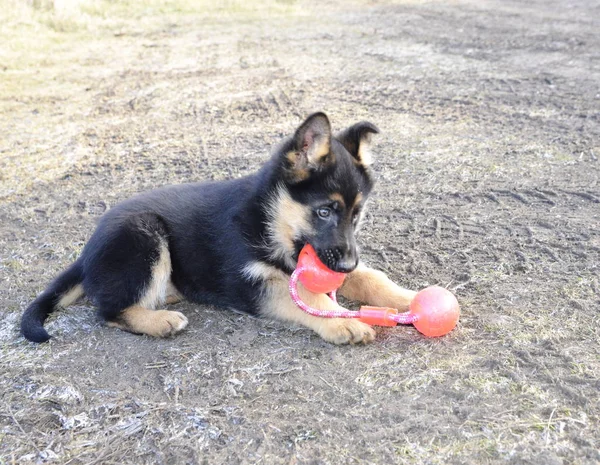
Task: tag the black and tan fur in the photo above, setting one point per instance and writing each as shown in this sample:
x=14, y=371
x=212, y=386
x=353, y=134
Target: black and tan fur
x=233, y=243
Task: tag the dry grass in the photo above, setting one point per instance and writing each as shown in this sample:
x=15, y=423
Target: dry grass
x=487, y=170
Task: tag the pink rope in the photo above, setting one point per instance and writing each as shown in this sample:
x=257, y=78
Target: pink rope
x=341, y=312
x=405, y=318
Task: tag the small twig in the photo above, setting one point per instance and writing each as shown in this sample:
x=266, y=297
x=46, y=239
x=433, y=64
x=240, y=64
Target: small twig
x=251, y=401
x=548, y=426
x=151, y=366
x=329, y=384
x=282, y=372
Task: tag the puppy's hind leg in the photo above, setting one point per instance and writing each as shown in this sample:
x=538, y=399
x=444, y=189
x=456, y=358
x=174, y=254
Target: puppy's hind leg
x=130, y=276
x=157, y=323
x=141, y=318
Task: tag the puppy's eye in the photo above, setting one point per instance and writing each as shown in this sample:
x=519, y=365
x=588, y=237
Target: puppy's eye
x=324, y=212
x=355, y=217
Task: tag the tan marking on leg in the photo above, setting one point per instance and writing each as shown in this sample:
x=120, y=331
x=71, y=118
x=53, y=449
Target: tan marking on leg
x=375, y=288
x=278, y=304
x=173, y=295
x=156, y=292
x=157, y=323
x=71, y=296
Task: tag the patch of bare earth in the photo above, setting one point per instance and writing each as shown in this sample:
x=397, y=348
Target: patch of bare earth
x=488, y=184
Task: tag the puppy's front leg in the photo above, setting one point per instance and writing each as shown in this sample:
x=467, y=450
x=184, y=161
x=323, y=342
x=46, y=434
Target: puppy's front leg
x=278, y=304
x=375, y=288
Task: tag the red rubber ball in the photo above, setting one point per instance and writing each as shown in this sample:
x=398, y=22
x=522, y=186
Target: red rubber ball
x=436, y=310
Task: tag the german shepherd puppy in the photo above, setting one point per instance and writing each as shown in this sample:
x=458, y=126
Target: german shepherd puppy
x=234, y=244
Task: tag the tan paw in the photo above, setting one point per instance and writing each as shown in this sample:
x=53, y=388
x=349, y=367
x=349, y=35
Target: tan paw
x=166, y=323
x=346, y=331
x=157, y=323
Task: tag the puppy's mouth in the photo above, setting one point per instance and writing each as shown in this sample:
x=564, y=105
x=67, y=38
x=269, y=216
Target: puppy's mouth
x=332, y=258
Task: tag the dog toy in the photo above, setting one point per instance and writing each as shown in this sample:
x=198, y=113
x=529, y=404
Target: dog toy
x=434, y=311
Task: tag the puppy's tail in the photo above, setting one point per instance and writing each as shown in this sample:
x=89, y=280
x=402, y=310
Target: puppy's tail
x=63, y=291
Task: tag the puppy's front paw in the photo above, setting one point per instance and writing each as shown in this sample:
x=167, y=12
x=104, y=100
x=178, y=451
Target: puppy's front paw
x=346, y=331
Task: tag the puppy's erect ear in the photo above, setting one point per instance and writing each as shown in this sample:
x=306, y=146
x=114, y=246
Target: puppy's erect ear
x=313, y=138
x=357, y=140
x=311, y=145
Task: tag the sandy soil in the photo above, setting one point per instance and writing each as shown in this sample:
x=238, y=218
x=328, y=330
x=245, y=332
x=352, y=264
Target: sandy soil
x=488, y=184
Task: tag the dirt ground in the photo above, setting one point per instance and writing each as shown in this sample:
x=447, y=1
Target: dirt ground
x=487, y=170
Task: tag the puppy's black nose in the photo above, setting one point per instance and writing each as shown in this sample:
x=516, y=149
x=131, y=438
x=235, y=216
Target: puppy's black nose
x=346, y=265
x=337, y=260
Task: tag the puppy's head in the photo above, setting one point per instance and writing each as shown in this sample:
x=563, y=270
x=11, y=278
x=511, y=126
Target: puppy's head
x=325, y=181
